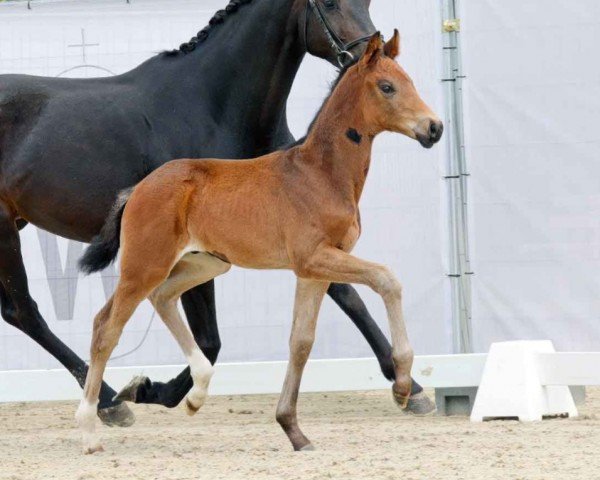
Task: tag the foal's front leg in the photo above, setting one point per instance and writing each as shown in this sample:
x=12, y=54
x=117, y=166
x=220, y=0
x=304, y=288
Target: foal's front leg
x=334, y=265
x=309, y=295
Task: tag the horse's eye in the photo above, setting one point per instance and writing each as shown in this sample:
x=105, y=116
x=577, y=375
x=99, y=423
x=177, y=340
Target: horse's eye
x=387, y=88
x=329, y=3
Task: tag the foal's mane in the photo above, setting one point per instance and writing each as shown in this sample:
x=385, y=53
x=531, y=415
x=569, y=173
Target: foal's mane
x=202, y=35
x=341, y=72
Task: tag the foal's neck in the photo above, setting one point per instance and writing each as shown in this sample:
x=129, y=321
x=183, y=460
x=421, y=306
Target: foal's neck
x=340, y=143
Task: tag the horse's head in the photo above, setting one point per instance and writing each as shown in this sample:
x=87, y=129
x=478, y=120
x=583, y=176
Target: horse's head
x=336, y=30
x=390, y=99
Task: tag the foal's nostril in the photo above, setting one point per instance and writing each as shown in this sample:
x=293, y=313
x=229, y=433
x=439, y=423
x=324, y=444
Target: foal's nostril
x=435, y=130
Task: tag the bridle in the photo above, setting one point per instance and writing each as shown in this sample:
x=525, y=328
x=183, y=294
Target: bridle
x=342, y=50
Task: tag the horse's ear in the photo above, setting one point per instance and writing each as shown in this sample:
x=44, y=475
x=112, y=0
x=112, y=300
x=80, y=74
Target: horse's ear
x=374, y=50
x=392, y=47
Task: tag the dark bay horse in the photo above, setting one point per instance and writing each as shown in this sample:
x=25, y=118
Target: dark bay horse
x=67, y=146
x=190, y=220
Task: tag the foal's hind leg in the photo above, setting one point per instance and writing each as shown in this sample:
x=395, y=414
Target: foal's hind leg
x=108, y=326
x=201, y=369
x=192, y=270
x=199, y=306
x=309, y=295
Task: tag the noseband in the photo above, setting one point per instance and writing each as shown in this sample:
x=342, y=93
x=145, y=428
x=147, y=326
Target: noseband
x=342, y=50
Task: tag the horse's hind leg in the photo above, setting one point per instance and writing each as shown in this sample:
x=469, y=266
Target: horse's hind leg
x=20, y=311
x=192, y=270
x=309, y=295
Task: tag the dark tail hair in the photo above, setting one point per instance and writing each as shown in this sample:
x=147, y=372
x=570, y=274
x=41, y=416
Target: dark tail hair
x=104, y=247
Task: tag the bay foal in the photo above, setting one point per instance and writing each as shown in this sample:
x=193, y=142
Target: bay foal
x=190, y=220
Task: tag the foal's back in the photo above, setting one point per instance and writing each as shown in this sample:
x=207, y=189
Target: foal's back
x=232, y=209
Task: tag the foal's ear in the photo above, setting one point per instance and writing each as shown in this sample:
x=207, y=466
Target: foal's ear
x=392, y=47
x=374, y=50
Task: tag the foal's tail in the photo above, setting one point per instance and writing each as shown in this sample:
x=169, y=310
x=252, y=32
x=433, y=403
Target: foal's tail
x=105, y=246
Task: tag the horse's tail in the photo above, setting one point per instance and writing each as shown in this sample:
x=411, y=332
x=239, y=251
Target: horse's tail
x=105, y=246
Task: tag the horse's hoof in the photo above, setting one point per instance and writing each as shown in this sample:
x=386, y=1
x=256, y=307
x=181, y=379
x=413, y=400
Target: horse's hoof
x=90, y=449
x=307, y=448
x=420, y=405
x=129, y=392
x=120, y=416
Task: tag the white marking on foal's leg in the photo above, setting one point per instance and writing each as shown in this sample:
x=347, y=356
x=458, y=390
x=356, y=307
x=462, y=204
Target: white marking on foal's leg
x=86, y=419
x=202, y=371
x=189, y=272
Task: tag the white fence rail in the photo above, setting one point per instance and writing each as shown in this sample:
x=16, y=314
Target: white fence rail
x=253, y=377
x=569, y=368
x=431, y=371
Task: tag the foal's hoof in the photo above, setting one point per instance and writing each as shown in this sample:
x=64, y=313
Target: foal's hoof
x=130, y=391
x=120, y=416
x=400, y=398
x=190, y=408
x=307, y=448
x=420, y=405
x=90, y=449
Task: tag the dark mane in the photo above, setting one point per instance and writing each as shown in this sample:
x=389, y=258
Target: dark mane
x=202, y=35
x=341, y=72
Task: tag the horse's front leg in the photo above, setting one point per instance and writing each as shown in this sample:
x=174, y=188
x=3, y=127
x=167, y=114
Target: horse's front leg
x=309, y=295
x=199, y=306
x=347, y=298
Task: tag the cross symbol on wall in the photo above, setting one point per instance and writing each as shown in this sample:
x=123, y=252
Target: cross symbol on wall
x=83, y=45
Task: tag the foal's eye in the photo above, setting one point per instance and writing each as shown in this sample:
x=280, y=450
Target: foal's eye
x=387, y=88
x=329, y=3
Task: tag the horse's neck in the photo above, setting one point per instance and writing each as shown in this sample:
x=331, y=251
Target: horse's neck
x=241, y=75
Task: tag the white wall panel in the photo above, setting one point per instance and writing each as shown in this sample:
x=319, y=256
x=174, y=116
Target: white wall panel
x=533, y=97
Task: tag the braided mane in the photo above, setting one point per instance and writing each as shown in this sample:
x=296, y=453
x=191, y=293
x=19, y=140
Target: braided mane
x=202, y=35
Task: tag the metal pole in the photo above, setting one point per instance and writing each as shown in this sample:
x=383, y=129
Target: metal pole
x=467, y=272
x=457, y=179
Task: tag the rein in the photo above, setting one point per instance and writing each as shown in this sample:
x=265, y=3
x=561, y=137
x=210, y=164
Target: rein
x=342, y=50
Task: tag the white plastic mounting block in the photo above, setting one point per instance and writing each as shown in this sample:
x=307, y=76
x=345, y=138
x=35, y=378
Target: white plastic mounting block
x=511, y=386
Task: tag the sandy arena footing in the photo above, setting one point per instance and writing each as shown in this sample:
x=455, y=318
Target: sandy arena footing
x=358, y=435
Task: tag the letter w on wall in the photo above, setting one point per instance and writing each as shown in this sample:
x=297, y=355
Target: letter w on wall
x=63, y=282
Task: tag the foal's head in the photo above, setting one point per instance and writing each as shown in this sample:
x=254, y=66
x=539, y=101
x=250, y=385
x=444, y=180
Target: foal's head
x=389, y=98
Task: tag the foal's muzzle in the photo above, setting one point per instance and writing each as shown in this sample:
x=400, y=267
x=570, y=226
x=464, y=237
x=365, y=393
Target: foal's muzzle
x=431, y=134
